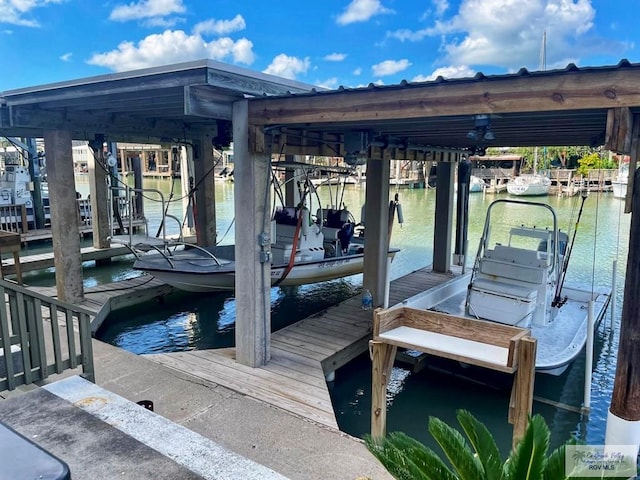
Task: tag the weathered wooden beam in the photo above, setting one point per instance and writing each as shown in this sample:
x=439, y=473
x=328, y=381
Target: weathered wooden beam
x=633, y=162
x=521, y=403
x=619, y=129
x=382, y=357
x=625, y=400
x=575, y=90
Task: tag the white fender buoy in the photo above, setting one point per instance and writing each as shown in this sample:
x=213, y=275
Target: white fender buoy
x=304, y=226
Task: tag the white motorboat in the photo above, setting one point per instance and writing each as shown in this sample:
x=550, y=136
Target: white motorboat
x=476, y=184
x=619, y=185
x=318, y=252
x=304, y=248
x=518, y=278
x=529, y=184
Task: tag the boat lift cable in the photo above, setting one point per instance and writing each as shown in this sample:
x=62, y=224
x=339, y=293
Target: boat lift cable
x=565, y=262
x=595, y=242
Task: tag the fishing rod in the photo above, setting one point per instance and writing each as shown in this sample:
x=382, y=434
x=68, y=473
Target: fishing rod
x=565, y=262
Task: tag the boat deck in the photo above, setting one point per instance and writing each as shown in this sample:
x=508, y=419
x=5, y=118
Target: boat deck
x=301, y=354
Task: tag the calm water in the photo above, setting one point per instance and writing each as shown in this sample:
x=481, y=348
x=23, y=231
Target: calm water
x=184, y=322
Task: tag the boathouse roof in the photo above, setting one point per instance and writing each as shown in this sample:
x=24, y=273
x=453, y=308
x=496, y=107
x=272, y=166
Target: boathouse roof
x=569, y=106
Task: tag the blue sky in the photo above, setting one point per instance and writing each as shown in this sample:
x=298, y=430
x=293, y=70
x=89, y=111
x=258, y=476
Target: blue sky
x=323, y=42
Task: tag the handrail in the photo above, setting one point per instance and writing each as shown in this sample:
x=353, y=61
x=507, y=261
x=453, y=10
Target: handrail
x=190, y=245
x=40, y=336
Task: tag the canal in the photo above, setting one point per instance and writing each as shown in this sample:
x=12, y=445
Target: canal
x=189, y=321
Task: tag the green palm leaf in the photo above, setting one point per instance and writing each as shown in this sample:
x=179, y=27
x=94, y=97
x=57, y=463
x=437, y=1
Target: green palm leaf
x=528, y=460
x=456, y=449
x=483, y=443
x=555, y=468
x=408, y=459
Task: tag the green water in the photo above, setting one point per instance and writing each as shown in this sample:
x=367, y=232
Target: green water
x=184, y=322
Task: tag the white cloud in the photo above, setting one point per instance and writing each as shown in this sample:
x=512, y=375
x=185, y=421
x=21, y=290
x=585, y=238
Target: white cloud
x=389, y=67
x=357, y=71
x=15, y=12
x=508, y=33
x=220, y=27
x=66, y=57
x=146, y=9
x=173, y=47
x=441, y=6
x=288, y=67
x=461, y=71
x=361, y=11
x=330, y=83
x=335, y=57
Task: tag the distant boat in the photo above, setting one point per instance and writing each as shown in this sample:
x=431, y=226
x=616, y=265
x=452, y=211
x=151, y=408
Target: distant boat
x=529, y=184
x=619, y=185
x=476, y=184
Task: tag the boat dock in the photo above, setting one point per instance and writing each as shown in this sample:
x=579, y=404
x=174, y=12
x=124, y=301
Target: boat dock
x=104, y=299
x=302, y=354
x=41, y=261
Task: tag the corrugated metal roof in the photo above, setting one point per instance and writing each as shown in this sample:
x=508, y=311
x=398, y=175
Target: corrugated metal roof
x=557, y=107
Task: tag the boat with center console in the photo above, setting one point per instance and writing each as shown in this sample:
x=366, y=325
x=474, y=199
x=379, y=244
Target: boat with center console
x=518, y=278
x=305, y=247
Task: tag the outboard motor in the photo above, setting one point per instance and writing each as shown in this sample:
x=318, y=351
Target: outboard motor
x=344, y=235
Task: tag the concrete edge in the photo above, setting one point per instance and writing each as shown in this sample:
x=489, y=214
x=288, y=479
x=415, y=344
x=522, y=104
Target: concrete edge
x=185, y=447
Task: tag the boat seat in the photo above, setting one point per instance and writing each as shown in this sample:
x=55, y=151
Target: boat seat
x=448, y=346
x=507, y=289
x=514, y=264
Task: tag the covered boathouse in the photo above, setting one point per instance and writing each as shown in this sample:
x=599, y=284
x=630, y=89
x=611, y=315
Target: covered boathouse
x=208, y=103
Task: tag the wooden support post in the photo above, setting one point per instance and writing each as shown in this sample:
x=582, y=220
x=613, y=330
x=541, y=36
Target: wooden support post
x=253, y=245
x=443, y=218
x=99, y=193
x=625, y=400
x=382, y=357
x=64, y=225
x=376, y=220
x=11, y=242
x=522, y=391
x=633, y=163
x=205, y=198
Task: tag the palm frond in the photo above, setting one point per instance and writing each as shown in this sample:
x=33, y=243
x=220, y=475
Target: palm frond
x=528, y=459
x=464, y=462
x=483, y=443
x=408, y=459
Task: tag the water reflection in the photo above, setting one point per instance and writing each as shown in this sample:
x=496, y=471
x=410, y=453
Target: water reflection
x=185, y=322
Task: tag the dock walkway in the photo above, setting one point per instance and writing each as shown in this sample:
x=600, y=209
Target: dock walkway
x=45, y=260
x=302, y=354
x=104, y=299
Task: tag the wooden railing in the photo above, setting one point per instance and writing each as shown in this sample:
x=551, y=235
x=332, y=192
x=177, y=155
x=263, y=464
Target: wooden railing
x=13, y=218
x=41, y=336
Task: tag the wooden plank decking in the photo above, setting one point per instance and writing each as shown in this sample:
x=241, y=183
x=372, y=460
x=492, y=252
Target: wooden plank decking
x=105, y=298
x=301, y=354
x=42, y=261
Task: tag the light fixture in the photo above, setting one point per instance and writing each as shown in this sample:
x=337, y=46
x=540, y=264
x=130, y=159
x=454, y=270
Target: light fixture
x=481, y=129
x=111, y=160
x=488, y=135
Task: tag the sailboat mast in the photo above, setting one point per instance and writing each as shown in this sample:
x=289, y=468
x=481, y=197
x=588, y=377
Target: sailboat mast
x=543, y=52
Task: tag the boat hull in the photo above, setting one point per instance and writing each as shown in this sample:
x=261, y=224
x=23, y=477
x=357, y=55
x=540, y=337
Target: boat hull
x=529, y=186
x=205, y=276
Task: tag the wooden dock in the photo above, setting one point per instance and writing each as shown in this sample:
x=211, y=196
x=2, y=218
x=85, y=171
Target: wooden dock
x=42, y=261
x=301, y=354
x=105, y=298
